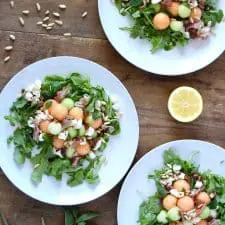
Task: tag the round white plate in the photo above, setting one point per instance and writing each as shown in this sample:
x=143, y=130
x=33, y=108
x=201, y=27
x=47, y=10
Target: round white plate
x=192, y=57
x=119, y=153
x=137, y=187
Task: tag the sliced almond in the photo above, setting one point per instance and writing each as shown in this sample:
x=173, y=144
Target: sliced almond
x=59, y=22
x=44, y=25
x=48, y=28
x=26, y=12
x=38, y=6
x=21, y=20
x=39, y=23
x=51, y=24
x=8, y=48
x=46, y=18
x=6, y=59
x=12, y=37
x=12, y=4
x=84, y=14
x=62, y=6
x=67, y=34
x=56, y=14
x=47, y=12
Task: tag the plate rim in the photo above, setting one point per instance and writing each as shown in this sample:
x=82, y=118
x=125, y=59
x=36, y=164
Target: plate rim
x=151, y=151
x=122, y=175
x=153, y=72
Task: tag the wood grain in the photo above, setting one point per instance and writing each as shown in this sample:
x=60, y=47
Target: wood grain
x=150, y=94
x=73, y=22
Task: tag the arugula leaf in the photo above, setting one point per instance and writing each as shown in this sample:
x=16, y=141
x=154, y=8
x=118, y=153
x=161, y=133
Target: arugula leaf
x=76, y=178
x=213, y=17
x=149, y=210
x=74, y=217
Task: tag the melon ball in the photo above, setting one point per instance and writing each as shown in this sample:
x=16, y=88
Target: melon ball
x=169, y=202
x=93, y=123
x=202, y=222
x=68, y=103
x=196, y=13
x=77, y=113
x=203, y=198
x=173, y=8
x=182, y=186
x=184, y=11
x=58, y=143
x=82, y=149
x=176, y=25
x=174, y=214
x=59, y=112
x=54, y=128
x=43, y=125
x=161, y=21
x=185, y=204
x=50, y=104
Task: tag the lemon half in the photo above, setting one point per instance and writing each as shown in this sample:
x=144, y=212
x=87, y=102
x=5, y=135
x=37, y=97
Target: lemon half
x=185, y=104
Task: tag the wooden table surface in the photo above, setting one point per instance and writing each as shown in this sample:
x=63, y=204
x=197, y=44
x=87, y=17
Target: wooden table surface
x=150, y=94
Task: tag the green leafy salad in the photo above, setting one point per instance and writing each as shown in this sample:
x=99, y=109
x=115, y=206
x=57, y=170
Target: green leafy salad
x=168, y=23
x=185, y=196
x=62, y=125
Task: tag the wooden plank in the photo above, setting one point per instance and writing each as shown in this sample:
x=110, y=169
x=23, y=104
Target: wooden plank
x=73, y=22
x=150, y=94
x=21, y=209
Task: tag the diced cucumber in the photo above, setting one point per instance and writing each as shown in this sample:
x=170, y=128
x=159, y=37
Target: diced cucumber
x=162, y=217
x=70, y=152
x=174, y=214
x=54, y=128
x=72, y=132
x=82, y=131
x=184, y=11
x=68, y=103
x=205, y=213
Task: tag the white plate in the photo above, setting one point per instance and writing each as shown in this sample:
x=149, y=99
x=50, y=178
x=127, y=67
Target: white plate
x=119, y=153
x=194, y=56
x=137, y=187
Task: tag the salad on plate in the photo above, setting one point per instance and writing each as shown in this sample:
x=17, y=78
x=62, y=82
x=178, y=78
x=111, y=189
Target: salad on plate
x=62, y=125
x=185, y=195
x=168, y=23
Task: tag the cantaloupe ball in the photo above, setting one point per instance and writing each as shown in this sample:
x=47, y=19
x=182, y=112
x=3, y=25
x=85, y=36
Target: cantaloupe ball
x=43, y=125
x=203, y=198
x=82, y=149
x=58, y=143
x=161, y=21
x=77, y=113
x=196, y=13
x=185, y=204
x=49, y=104
x=169, y=202
x=202, y=222
x=59, y=112
x=97, y=123
x=182, y=185
x=173, y=8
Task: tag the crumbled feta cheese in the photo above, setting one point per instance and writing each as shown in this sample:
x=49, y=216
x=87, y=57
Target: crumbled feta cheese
x=98, y=105
x=213, y=213
x=98, y=145
x=28, y=96
x=176, y=168
x=212, y=195
x=198, y=184
x=114, y=99
x=156, y=1
x=196, y=220
x=77, y=123
x=58, y=153
x=30, y=122
x=41, y=137
x=116, y=107
x=92, y=155
x=181, y=176
x=90, y=132
x=63, y=135
x=176, y=193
